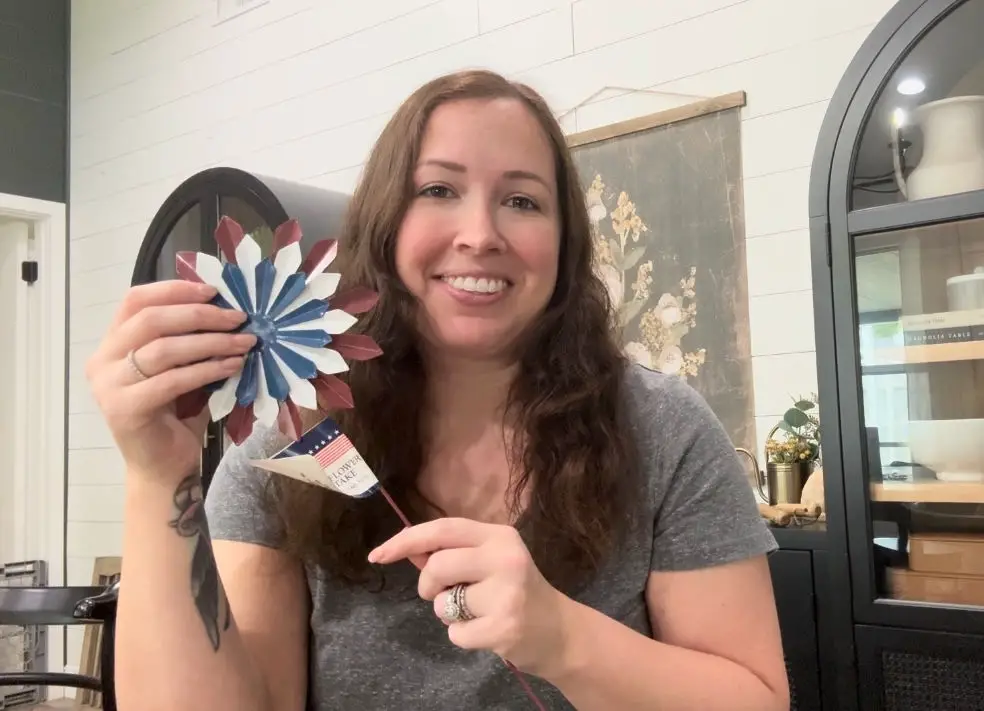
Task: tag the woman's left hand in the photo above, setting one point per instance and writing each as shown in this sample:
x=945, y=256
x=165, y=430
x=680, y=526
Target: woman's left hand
x=517, y=613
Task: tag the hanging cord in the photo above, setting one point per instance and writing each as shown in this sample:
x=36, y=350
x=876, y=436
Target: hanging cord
x=512, y=667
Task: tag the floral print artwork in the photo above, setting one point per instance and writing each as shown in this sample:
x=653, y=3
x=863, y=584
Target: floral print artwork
x=667, y=222
x=662, y=325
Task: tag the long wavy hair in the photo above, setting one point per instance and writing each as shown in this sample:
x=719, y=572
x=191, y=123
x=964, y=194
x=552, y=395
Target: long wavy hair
x=574, y=465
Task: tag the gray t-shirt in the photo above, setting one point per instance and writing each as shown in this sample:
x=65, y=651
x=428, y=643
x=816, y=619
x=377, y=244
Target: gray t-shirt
x=386, y=651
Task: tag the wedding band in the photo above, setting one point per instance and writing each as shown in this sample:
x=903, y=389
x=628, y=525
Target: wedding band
x=455, y=607
x=131, y=358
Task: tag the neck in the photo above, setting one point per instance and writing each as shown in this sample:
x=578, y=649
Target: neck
x=468, y=389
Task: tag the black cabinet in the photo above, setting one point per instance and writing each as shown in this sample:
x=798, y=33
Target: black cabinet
x=912, y=670
x=897, y=249
x=792, y=578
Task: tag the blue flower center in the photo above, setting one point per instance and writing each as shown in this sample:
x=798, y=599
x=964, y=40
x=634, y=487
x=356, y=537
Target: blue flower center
x=263, y=327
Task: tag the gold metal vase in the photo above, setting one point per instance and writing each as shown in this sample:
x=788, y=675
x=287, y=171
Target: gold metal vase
x=785, y=481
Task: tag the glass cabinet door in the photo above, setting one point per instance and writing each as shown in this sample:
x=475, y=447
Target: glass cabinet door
x=921, y=337
x=925, y=135
x=916, y=225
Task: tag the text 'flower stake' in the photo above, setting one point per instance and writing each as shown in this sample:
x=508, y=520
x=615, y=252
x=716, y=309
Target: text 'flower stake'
x=299, y=324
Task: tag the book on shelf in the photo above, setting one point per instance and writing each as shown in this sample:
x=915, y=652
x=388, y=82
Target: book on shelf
x=944, y=327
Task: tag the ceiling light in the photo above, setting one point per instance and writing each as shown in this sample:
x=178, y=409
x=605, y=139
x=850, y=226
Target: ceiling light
x=911, y=86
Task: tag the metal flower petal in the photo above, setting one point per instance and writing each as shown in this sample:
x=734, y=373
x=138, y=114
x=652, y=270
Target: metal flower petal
x=287, y=300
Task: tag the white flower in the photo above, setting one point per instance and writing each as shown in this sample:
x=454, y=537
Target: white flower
x=669, y=310
x=613, y=281
x=638, y=353
x=670, y=360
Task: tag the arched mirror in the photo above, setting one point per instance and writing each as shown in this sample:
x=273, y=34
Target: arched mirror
x=187, y=220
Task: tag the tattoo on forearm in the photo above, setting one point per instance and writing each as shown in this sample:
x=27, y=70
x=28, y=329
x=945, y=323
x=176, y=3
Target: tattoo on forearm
x=206, y=588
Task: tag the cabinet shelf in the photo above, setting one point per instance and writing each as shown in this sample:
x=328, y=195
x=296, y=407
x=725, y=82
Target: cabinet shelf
x=933, y=353
x=929, y=492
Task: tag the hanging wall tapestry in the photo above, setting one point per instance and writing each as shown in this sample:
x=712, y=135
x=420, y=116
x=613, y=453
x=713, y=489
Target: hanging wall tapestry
x=665, y=200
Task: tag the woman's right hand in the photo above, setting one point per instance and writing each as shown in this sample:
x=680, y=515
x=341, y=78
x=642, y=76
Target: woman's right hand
x=179, y=343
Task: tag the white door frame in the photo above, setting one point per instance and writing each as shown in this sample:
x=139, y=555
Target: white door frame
x=43, y=443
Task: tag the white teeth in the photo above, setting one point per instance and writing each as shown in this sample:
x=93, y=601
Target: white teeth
x=476, y=286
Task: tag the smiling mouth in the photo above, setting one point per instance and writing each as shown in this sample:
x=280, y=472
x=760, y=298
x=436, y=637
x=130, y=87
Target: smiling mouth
x=477, y=285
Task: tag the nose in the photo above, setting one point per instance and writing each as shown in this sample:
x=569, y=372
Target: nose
x=478, y=230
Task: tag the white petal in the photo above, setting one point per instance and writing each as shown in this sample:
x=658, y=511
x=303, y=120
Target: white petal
x=328, y=361
x=210, y=270
x=287, y=262
x=265, y=407
x=248, y=255
x=321, y=286
x=302, y=392
x=221, y=402
x=333, y=322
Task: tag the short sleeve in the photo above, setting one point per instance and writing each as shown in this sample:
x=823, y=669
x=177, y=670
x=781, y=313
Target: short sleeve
x=239, y=505
x=705, y=511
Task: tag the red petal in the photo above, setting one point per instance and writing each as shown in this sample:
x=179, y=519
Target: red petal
x=228, y=235
x=190, y=404
x=333, y=393
x=320, y=256
x=356, y=300
x=355, y=346
x=289, y=419
x=239, y=424
x=288, y=233
x=186, y=265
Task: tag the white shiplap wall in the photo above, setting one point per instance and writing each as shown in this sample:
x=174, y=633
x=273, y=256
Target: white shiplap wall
x=300, y=89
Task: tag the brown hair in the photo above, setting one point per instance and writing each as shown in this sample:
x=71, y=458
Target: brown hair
x=577, y=460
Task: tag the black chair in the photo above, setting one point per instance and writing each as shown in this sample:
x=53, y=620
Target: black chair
x=65, y=606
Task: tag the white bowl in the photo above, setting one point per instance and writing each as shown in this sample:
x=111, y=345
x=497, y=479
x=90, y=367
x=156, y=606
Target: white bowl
x=954, y=449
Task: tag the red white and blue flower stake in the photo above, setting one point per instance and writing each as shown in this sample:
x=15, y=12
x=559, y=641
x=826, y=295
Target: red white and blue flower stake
x=299, y=322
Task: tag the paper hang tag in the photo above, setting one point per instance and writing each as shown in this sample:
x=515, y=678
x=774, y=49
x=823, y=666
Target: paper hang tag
x=325, y=457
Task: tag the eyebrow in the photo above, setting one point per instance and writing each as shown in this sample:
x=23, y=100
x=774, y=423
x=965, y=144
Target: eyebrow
x=510, y=174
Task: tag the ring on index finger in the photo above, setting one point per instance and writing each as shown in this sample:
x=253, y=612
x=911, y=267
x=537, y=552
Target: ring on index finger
x=131, y=359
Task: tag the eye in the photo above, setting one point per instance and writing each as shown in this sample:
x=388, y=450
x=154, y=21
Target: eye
x=521, y=202
x=436, y=191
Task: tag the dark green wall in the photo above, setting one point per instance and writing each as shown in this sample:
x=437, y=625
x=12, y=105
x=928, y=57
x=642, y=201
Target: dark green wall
x=34, y=98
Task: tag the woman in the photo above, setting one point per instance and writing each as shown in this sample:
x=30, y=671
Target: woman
x=594, y=512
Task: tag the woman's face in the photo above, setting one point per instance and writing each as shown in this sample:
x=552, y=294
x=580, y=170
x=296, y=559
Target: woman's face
x=480, y=243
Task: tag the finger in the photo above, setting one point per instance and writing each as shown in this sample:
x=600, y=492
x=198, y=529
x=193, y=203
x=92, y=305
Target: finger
x=449, y=567
x=161, y=293
x=479, y=598
x=433, y=536
x=156, y=322
x=480, y=633
x=173, y=351
x=164, y=388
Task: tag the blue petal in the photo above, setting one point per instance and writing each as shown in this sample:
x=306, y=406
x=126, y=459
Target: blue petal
x=313, y=309
x=266, y=273
x=232, y=275
x=292, y=288
x=295, y=361
x=217, y=300
x=248, y=380
x=308, y=337
x=277, y=384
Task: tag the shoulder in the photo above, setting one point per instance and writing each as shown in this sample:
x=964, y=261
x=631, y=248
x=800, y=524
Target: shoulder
x=668, y=418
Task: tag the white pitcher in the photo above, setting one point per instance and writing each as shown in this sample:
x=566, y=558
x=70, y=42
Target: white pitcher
x=953, y=149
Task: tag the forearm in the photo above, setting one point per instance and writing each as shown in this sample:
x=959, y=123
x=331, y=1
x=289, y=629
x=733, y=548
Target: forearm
x=176, y=643
x=608, y=665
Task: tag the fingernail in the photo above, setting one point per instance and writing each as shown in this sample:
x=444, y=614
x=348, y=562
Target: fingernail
x=244, y=340
x=232, y=364
x=206, y=289
x=374, y=556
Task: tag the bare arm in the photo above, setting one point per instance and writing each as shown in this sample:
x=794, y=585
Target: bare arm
x=719, y=647
x=190, y=638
